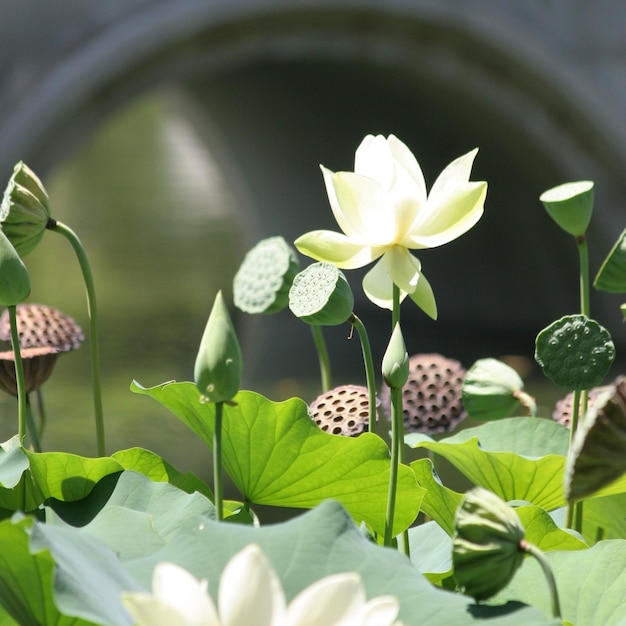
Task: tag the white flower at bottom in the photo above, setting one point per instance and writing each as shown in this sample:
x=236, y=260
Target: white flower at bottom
x=250, y=593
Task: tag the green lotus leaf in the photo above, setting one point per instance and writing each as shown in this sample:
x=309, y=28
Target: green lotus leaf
x=612, y=275
x=516, y=458
x=276, y=455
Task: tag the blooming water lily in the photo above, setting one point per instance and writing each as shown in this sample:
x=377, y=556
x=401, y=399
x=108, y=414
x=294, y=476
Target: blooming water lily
x=250, y=593
x=384, y=211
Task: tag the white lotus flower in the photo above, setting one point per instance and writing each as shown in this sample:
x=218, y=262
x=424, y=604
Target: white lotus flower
x=250, y=593
x=384, y=211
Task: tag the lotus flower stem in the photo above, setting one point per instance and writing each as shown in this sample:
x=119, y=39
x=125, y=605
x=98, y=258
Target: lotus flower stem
x=322, y=354
x=31, y=427
x=19, y=375
x=533, y=550
x=396, y=431
x=71, y=236
x=369, y=369
x=42, y=412
x=218, y=483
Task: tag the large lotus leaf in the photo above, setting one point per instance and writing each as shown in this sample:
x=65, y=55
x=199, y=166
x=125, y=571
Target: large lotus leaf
x=608, y=514
x=276, y=455
x=26, y=580
x=431, y=551
x=591, y=584
x=303, y=550
x=516, y=458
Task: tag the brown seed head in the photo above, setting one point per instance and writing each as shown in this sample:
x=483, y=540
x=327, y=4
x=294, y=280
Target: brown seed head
x=342, y=411
x=563, y=409
x=431, y=396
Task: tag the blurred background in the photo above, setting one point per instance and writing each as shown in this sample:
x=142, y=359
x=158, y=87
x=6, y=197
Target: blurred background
x=172, y=135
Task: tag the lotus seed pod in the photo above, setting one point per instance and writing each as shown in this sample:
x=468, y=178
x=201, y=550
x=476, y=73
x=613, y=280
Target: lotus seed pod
x=598, y=453
x=262, y=283
x=575, y=352
x=563, y=409
x=25, y=209
x=431, y=396
x=396, y=360
x=14, y=278
x=486, y=548
x=570, y=205
x=321, y=296
x=343, y=410
x=612, y=275
x=491, y=390
x=217, y=370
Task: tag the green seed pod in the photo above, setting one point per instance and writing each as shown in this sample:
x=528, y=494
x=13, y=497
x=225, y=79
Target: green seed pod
x=14, y=278
x=486, y=547
x=612, y=275
x=575, y=352
x=491, y=390
x=570, y=205
x=321, y=296
x=262, y=283
x=396, y=360
x=217, y=371
x=25, y=209
x=598, y=453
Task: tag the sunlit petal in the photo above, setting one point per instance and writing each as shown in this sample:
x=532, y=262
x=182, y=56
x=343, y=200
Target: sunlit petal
x=403, y=268
x=363, y=208
x=146, y=610
x=175, y=587
x=380, y=611
x=456, y=214
x=250, y=592
x=378, y=286
x=373, y=158
x=408, y=162
x=331, y=601
x=454, y=175
x=331, y=247
x=424, y=297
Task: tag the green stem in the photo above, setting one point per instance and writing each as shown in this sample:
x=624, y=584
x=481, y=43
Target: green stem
x=42, y=412
x=533, y=550
x=396, y=432
x=71, y=236
x=19, y=375
x=571, y=507
x=583, y=255
x=395, y=311
x=322, y=354
x=31, y=427
x=369, y=369
x=218, y=483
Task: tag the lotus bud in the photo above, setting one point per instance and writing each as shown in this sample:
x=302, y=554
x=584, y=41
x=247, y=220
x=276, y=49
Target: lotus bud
x=612, y=275
x=396, y=360
x=492, y=390
x=487, y=545
x=25, y=209
x=262, y=283
x=570, y=205
x=575, y=352
x=217, y=371
x=598, y=453
x=14, y=278
x=321, y=296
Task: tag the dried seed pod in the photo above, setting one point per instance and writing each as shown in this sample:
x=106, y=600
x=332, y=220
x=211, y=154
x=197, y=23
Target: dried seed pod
x=343, y=410
x=42, y=326
x=563, y=409
x=431, y=397
x=44, y=332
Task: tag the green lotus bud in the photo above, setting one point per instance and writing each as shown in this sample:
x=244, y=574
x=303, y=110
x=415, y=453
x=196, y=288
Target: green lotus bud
x=487, y=544
x=598, y=453
x=14, y=278
x=25, y=209
x=570, y=205
x=262, y=283
x=217, y=371
x=321, y=296
x=575, y=352
x=492, y=390
x=612, y=275
x=396, y=360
